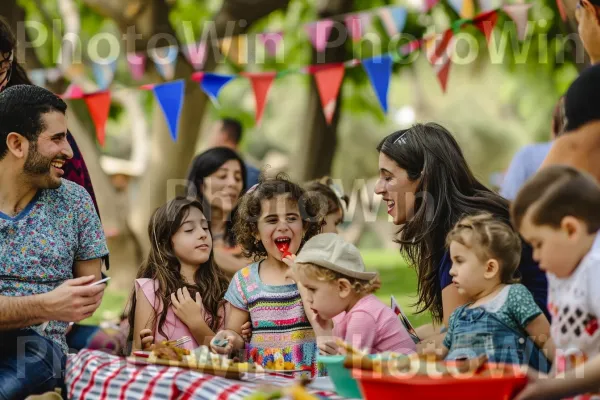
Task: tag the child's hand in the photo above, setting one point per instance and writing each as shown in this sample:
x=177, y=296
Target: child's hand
x=147, y=339
x=322, y=327
x=247, y=331
x=228, y=335
x=534, y=389
x=289, y=260
x=188, y=310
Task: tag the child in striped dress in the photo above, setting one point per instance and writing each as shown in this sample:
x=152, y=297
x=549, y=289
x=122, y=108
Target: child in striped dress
x=275, y=218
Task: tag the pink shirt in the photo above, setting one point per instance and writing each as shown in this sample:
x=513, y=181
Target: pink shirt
x=373, y=326
x=174, y=328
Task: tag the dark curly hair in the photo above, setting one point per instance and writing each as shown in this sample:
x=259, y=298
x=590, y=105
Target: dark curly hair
x=245, y=228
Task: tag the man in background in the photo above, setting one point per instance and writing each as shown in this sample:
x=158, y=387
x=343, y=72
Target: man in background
x=529, y=158
x=229, y=134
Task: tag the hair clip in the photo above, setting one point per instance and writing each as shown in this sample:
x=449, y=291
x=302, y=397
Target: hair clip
x=400, y=140
x=253, y=188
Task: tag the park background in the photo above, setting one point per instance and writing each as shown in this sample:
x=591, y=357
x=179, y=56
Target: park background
x=496, y=102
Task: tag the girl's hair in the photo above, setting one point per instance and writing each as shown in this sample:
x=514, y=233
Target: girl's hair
x=489, y=238
x=336, y=199
x=245, y=228
x=326, y=275
x=163, y=266
x=8, y=43
x=447, y=190
x=206, y=164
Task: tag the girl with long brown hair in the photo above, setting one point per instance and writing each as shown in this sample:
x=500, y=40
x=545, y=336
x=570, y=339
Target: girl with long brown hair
x=179, y=289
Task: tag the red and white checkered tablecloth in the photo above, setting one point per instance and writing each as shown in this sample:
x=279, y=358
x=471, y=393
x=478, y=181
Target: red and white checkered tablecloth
x=93, y=374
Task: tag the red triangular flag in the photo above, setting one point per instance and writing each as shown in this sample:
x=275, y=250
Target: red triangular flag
x=561, y=9
x=486, y=23
x=261, y=84
x=439, y=54
x=197, y=76
x=99, y=105
x=329, y=80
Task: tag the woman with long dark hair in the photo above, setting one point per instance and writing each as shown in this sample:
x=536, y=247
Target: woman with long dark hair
x=216, y=178
x=428, y=187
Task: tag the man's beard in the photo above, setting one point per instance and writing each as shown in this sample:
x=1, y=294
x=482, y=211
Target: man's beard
x=38, y=166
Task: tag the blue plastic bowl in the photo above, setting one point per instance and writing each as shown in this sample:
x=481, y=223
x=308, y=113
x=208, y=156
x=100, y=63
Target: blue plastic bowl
x=345, y=384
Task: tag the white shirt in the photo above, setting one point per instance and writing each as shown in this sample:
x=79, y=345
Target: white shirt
x=574, y=303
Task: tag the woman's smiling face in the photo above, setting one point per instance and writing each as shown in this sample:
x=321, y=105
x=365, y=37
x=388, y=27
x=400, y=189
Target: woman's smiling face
x=397, y=190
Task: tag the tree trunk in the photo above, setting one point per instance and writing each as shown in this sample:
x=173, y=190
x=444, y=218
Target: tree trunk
x=319, y=142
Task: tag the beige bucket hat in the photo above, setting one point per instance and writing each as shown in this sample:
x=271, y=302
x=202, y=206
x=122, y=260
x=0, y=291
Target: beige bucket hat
x=329, y=250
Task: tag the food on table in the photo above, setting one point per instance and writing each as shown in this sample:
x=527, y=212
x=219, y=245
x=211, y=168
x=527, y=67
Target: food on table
x=391, y=363
x=297, y=391
x=166, y=350
x=279, y=364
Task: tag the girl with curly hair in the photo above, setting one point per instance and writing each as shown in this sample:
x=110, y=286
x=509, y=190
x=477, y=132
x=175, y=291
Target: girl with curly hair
x=275, y=218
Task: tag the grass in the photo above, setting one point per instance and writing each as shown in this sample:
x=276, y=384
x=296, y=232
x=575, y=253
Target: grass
x=397, y=279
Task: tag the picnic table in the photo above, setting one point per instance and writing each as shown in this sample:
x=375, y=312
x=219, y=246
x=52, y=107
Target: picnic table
x=93, y=374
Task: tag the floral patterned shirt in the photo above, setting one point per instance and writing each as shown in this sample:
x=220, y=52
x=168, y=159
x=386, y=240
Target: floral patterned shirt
x=39, y=246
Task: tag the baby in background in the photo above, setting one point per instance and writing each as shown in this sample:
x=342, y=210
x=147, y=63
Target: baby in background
x=501, y=314
x=558, y=212
x=339, y=292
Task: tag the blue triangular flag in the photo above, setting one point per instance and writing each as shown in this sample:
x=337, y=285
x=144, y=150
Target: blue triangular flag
x=212, y=84
x=38, y=77
x=394, y=19
x=170, y=98
x=399, y=15
x=379, y=70
x=165, y=59
x=104, y=74
x=456, y=5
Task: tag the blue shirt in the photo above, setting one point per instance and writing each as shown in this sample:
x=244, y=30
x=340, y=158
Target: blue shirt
x=39, y=246
x=531, y=276
x=252, y=175
x=523, y=165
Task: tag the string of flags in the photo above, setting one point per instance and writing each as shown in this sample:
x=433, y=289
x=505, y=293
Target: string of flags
x=328, y=77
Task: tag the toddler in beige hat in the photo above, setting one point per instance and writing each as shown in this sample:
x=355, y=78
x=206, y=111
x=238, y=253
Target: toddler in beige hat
x=339, y=292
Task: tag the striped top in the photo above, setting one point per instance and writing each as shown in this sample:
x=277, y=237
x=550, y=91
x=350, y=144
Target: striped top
x=280, y=328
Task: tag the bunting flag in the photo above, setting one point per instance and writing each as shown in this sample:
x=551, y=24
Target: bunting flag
x=104, y=74
x=488, y=5
x=270, y=41
x=98, y=105
x=394, y=19
x=439, y=54
x=137, y=65
x=486, y=23
x=329, y=80
x=38, y=77
x=354, y=24
x=212, y=84
x=379, y=70
x=518, y=13
x=73, y=92
x=261, y=84
x=464, y=8
x=165, y=59
x=195, y=53
x=234, y=48
x=561, y=9
x=170, y=98
x=429, y=4
x=319, y=33
x=198, y=76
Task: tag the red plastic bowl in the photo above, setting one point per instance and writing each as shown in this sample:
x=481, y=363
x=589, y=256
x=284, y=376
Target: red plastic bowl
x=502, y=383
